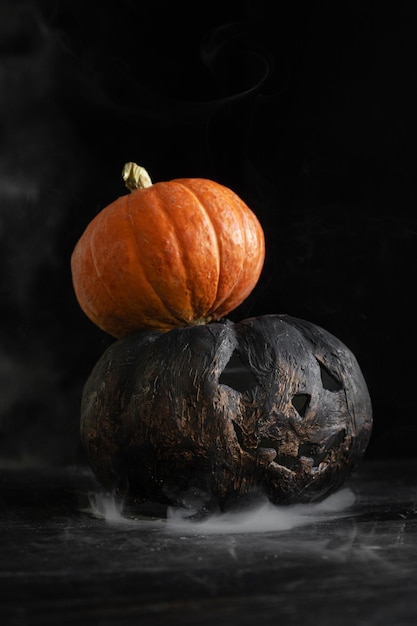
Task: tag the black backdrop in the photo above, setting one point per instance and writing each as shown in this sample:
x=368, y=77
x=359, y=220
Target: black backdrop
x=307, y=110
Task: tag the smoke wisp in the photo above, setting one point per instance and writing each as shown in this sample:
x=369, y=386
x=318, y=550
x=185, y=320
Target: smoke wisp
x=263, y=517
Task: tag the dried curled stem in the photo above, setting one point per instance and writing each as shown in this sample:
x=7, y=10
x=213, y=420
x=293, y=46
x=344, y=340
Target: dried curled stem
x=135, y=176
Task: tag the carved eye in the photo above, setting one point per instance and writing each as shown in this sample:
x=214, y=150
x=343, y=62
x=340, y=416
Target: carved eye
x=329, y=381
x=237, y=374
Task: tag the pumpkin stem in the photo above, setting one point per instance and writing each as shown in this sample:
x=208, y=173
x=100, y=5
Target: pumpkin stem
x=135, y=176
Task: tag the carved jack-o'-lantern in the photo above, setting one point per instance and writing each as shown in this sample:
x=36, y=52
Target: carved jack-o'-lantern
x=271, y=404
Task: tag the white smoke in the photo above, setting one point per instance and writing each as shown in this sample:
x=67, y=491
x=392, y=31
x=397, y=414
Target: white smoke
x=260, y=518
x=265, y=517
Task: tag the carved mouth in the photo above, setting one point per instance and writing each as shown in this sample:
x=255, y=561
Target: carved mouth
x=310, y=456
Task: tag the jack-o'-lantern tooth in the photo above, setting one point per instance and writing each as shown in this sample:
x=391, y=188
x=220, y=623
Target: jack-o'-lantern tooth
x=267, y=454
x=307, y=462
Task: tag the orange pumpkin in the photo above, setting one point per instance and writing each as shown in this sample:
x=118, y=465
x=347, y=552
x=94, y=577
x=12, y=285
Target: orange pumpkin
x=168, y=254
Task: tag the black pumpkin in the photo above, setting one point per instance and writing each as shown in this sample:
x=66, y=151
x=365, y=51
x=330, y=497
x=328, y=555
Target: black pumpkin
x=272, y=404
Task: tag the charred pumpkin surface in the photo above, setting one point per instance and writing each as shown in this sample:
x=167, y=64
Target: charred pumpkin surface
x=271, y=404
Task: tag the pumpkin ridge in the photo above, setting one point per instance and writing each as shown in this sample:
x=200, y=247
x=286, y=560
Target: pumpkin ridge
x=97, y=319
x=244, y=219
x=242, y=264
x=171, y=313
x=216, y=238
x=103, y=282
x=217, y=303
x=180, y=249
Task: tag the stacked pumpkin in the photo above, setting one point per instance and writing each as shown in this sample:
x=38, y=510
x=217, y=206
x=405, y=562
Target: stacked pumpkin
x=186, y=406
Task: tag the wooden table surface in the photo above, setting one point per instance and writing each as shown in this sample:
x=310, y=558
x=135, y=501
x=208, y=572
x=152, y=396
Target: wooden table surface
x=68, y=556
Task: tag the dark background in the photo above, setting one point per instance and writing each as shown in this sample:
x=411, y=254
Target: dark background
x=307, y=110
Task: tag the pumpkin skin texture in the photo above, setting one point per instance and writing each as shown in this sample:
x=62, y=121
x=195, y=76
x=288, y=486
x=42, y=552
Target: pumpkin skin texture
x=173, y=254
x=272, y=405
